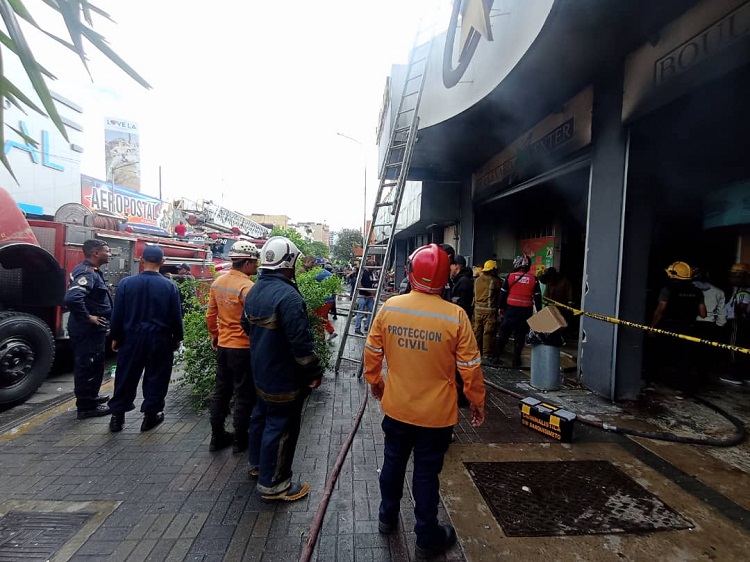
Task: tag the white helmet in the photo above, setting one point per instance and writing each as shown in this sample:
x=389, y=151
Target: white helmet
x=242, y=249
x=279, y=253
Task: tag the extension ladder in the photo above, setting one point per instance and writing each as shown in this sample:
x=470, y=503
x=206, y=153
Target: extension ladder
x=393, y=174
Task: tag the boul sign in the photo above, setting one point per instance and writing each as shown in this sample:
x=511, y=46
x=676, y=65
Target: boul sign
x=723, y=33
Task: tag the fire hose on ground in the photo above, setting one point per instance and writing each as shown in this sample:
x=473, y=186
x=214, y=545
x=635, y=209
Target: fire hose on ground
x=736, y=439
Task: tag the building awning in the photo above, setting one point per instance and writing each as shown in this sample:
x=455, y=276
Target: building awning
x=578, y=40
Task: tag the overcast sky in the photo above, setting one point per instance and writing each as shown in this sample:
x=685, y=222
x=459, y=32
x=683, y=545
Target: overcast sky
x=248, y=98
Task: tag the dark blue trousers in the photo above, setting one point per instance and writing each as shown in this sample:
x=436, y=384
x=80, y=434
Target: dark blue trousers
x=88, y=364
x=274, y=430
x=514, y=323
x=148, y=354
x=429, y=445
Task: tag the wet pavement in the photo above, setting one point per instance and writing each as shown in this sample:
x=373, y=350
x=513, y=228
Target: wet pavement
x=73, y=491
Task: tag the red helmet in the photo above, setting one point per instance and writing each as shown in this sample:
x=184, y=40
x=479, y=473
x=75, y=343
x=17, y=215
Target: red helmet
x=428, y=269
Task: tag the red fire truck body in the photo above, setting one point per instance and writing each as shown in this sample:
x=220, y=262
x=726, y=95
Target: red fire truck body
x=36, y=258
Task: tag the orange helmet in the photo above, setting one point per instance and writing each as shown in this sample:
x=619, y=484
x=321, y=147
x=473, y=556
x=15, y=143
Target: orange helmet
x=428, y=269
x=679, y=270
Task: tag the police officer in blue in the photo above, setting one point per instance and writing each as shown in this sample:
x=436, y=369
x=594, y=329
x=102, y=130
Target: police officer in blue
x=146, y=330
x=90, y=304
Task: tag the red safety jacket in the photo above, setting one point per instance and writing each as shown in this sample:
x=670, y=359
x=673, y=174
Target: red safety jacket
x=521, y=289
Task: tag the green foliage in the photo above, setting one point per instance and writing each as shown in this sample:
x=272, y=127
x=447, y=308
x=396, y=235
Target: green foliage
x=318, y=249
x=77, y=16
x=199, y=360
x=343, y=248
x=197, y=356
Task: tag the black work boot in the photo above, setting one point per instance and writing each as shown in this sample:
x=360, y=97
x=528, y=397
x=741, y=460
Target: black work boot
x=116, y=422
x=240, y=441
x=444, y=539
x=220, y=438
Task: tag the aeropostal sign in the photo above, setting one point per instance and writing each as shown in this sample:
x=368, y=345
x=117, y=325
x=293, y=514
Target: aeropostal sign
x=135, y=207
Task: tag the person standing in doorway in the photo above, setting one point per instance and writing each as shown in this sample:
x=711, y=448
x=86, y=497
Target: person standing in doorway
x=486, y=290
x=711, y=327
x=234, y=373
x=285, y=369
x=419, y=393
x=146, y=330
x=679, y=303
x=738, y=315
x=519, y=295
x=90, y=304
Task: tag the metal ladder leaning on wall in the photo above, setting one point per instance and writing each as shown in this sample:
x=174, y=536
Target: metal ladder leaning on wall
x=385, y=212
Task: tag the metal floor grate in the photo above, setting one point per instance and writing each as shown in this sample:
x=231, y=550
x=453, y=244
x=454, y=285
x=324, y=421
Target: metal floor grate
x=534, y=499
x=32, y=536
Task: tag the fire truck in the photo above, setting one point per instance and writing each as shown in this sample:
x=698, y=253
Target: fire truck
x=36, y=258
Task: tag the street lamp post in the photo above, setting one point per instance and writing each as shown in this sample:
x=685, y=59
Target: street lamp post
x=364, y=165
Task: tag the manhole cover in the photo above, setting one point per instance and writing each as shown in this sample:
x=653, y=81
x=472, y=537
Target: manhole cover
x=37, y=536
x=534, y=499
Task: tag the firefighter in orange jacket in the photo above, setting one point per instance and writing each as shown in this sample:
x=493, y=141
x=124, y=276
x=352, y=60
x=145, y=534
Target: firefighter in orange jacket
x=423, y=340
x=234, y=375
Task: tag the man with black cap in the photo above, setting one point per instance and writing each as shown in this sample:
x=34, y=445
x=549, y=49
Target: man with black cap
x=146, y=329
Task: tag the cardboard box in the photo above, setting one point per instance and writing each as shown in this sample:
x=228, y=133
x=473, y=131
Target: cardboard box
x=547, y=320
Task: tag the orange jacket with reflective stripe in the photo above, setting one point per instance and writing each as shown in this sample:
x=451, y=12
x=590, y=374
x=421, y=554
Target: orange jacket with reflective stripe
x=225, y=304
x=423, y=339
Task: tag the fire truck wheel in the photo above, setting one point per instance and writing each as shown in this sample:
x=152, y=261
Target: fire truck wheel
x=27, y=349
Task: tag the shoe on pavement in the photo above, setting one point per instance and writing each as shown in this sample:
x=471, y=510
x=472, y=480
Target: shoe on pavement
x=116, y=422
x=386, y=528
x=102, y=399
x=446, y=538
x=296, y=491
x=150, y=421
x=332, y=335
x=358, y=332
x=253, y=471
x=99, y=411
x=240, y=442
x=220, y=441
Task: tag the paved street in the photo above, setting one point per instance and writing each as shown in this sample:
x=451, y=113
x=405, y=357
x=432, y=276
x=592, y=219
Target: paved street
x=73, y=488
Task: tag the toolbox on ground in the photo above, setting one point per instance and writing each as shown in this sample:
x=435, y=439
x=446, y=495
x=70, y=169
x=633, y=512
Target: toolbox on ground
x=548, y=419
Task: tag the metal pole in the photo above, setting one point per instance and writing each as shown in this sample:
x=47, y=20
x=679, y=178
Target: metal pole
x=364, y=206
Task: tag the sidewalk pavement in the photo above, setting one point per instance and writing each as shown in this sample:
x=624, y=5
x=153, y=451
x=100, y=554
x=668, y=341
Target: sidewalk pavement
x=73, y=491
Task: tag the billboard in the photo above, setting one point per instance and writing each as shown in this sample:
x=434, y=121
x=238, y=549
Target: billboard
x=133, y=207
x=122, y=153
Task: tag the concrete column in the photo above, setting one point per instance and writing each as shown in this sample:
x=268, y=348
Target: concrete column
x=636, y=247
x=466, y=223
x=601, y=282
x=399, y=260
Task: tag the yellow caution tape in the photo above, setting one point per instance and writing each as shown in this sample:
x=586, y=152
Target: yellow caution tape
x=604, y=318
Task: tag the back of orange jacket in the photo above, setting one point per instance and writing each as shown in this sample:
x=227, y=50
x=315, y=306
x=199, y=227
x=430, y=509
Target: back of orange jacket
x=423, y=339
x=225, y=305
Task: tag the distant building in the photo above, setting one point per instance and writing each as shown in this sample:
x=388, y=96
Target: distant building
x=314, y=232
x=281, y=221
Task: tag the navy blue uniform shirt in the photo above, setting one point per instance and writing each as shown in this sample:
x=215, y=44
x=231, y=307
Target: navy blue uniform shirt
x=147, y=303
x=87, y=294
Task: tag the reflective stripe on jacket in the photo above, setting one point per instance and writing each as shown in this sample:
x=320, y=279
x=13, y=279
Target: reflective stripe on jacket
x=423, y=339
x=225, y=304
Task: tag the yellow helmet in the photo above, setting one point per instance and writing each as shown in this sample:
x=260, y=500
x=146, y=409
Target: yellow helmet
x=489, y=265
x=740, y=269
x=679, y=270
